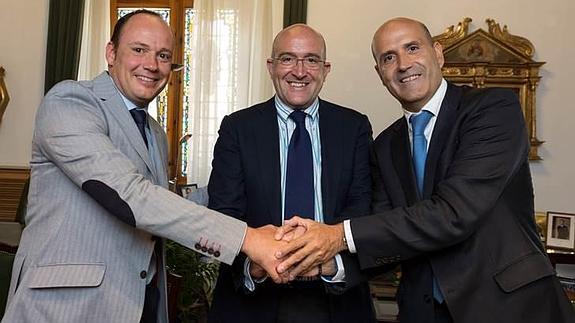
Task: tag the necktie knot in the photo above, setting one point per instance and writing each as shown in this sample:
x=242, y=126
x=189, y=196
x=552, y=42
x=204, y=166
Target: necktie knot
x=298, y=117
x=139, y=116
x=420, y=121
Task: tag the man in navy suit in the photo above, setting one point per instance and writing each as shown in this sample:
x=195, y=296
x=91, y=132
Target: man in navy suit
x=461, y=225
x=250, y=177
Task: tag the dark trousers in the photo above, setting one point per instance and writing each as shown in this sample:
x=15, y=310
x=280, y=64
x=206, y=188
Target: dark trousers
x=150, y=312
x=304, y=304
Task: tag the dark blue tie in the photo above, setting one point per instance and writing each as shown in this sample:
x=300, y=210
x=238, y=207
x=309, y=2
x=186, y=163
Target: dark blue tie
x=141, y=118
x=299, y=191
x=418, y=124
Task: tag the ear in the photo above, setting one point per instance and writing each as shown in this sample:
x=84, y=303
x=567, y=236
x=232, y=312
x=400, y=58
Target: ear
x=439, y=53
x=379, y=73
x=270, y=65
x=110, y=54
x=327, y=68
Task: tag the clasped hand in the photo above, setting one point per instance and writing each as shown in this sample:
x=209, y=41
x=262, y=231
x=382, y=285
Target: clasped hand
x=296, y=249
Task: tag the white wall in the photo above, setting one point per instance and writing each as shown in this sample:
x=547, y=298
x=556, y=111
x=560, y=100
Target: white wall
x=348, y=27
x=23, y=26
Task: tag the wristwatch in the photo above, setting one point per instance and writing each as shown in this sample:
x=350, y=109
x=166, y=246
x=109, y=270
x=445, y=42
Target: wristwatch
x=345, y=246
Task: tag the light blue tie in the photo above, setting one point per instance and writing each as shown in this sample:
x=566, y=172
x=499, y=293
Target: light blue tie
x=418, y=124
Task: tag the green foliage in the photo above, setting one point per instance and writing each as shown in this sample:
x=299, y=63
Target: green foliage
x=199, y=278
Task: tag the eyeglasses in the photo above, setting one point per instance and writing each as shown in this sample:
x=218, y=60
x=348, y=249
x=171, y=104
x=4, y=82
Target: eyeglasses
x=290, y=61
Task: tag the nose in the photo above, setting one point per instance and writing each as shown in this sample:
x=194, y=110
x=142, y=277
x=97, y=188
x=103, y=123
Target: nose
x=404, y=61
x=299, y=69
x=150, y=62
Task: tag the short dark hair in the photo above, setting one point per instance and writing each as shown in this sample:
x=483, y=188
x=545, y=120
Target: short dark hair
x=122, y=22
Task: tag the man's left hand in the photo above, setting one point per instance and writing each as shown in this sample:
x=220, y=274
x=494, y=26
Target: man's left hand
x=320, y=243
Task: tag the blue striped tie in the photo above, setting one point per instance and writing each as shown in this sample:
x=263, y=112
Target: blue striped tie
x=299, y=190
x=418, y=124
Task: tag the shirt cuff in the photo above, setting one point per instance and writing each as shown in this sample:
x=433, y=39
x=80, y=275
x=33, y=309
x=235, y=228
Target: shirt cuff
x=248, y=281
x=349, y=236
x=339, y=276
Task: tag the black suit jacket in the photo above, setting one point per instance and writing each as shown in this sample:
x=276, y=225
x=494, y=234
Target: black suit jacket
x=474, y=228
x=245, y=184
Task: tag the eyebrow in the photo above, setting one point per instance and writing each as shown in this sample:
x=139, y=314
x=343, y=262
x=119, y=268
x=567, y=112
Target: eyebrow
x=411, y=43
x=294, y=55
x=137, y=43
x=393, y=51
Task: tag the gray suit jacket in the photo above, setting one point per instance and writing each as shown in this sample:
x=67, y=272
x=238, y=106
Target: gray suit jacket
x=95, y=204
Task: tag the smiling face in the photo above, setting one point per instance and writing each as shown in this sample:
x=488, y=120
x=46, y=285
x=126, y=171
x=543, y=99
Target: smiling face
x=408, y=62
x=140, y=64
x=298, y=86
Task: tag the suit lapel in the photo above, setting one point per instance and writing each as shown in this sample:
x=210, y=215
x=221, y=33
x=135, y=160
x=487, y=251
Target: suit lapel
x=331, y=156
x=402, y=162
x=267, y=139
x=106, y=90
x=443, y=126
x=161, y=172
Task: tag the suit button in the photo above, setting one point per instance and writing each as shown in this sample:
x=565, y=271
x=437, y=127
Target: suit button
x=426, y=298
x=217, y=254
x=198, y=246
x=143, y=274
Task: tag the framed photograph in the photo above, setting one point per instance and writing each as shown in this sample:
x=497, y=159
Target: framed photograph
x=561, y=231
x=185, y=190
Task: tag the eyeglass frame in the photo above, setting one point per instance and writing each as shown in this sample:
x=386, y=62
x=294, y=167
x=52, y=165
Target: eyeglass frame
x=298, y=59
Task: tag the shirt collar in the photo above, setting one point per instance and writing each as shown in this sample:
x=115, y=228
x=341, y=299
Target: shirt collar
x=284, y=110
x=432, y=105
x=129, y=104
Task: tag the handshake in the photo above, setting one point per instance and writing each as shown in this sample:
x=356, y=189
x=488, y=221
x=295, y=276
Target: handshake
x=301, y=247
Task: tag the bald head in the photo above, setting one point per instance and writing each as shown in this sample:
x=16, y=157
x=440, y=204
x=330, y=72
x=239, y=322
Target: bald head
x=297, y=30
x=399, y=22
x=297, y=67
x=408, y=61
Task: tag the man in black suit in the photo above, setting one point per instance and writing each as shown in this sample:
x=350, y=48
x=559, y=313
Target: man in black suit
x=465, y=235
x=250, y=179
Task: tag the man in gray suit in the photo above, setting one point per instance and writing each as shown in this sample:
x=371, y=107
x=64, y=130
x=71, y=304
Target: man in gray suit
x=98, y=198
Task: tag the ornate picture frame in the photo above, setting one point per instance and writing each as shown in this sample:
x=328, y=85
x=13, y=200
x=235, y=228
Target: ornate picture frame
x=4, y=97
x=494, y=58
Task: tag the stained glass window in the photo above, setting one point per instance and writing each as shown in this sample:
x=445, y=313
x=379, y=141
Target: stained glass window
x=186, y=125
x=199, y=96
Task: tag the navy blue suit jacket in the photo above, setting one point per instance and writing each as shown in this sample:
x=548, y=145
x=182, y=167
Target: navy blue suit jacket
x=474, y=228
x=245, y=184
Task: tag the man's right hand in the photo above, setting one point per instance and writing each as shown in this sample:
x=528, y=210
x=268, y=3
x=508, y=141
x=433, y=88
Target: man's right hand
x=317, y=245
